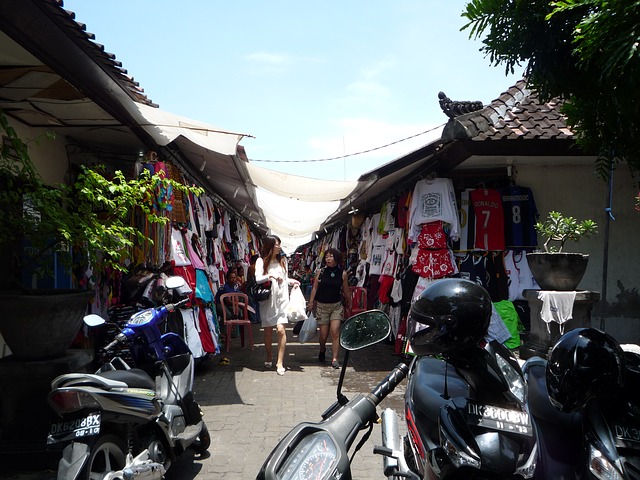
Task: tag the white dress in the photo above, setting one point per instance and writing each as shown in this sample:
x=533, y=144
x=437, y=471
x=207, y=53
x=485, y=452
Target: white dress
x=273, y=311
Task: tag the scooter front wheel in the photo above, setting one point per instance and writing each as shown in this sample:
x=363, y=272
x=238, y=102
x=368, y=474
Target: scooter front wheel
x=203, y=442
x=107, y=455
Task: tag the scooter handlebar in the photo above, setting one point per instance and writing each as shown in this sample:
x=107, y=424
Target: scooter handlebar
x=119, y=339
x=390, y=382
x=172, y=306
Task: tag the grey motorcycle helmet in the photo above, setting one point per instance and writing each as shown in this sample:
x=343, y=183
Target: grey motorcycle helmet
x=451, y=314
x=584, y=364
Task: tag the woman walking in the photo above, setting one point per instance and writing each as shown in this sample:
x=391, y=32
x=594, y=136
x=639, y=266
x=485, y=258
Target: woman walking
x=272, y=266
x=326, y=303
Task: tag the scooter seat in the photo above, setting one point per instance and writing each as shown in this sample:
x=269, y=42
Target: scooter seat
x=134, y=378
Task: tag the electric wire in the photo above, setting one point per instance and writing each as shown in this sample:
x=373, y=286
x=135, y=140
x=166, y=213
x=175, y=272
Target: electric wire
x=351, y=154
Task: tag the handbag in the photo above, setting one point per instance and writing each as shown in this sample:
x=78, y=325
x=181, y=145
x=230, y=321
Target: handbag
x=259, y=291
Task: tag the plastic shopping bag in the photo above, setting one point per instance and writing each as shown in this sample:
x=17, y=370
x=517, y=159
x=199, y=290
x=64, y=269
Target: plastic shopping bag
x=309, y=329
x=297, y=306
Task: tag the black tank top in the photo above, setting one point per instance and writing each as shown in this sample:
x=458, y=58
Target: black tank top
x=329, y=285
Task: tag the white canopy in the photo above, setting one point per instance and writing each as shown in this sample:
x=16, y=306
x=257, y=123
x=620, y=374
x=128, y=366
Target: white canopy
x=300, y=188
x=164, y=127
x=295, y=206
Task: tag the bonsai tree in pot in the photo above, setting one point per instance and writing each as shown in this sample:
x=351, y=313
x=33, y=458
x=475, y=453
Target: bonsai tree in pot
x=554, y=269
x=86, y=223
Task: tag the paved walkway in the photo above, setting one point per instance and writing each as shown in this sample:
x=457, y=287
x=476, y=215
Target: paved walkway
x=248, y=409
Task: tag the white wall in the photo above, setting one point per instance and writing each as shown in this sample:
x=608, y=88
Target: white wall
x=48, y=155
x=577, y=191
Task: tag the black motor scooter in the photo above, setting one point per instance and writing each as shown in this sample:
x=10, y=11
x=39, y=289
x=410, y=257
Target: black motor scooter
x=585, y=406
x=321, y=450
x=465, y=404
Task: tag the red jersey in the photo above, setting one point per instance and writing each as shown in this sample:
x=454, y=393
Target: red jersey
x=489, y=219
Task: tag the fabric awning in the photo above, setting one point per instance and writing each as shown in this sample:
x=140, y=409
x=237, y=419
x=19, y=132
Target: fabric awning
x=295, y=206
x=300, y=188
x=294, y=221
x=164, y=127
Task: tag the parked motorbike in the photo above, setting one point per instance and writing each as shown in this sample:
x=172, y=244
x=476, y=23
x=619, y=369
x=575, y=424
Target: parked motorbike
x=586, y=409
x=124, y=422
x=465, y=404
x=321, y=450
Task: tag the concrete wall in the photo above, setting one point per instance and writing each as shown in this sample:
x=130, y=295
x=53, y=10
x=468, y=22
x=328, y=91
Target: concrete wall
x=49, y=155
x=575, y=190
x=50, y=158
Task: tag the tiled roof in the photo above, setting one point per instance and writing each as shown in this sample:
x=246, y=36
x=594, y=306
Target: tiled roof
x=96, y=50
x=515, y=114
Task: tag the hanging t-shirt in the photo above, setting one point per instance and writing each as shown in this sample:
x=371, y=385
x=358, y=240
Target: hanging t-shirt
x=466, y=267
x=510, y=317
x=515, y=292
x=520, y=217
x=402, y=209
x=178, y=249
x=489, y=219
x=497, y=280
x=378, y=253
x=525, y=277
x=467, y=223
x=432, y=236
x=433, y=200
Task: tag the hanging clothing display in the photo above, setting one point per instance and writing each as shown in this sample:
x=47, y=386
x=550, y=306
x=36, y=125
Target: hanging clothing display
x=520, y=217
x=489, y=219
x=432, y=200
x=467, y=224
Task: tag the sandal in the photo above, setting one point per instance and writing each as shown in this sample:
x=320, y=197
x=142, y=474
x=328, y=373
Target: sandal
x=268, y=364
x=224, y=361
x=280, y=370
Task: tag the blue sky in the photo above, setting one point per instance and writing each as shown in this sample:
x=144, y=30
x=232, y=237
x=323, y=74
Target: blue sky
x=309, y=80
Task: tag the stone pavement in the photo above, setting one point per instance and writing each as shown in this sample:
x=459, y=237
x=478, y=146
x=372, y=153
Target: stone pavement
x=248, y=409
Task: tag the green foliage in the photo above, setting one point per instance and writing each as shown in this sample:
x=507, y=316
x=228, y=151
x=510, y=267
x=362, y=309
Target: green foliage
x=89, y=221
x=585, y=52
x=558, y=228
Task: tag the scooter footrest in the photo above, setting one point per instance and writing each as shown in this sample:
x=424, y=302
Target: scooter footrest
x=189, y=433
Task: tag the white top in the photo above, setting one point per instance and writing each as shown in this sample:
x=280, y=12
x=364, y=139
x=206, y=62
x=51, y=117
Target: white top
x=433, y=200
x=273, y=310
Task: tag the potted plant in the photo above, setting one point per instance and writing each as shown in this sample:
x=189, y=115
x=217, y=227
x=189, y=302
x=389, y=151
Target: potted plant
x=554, y=269
x=85, y=224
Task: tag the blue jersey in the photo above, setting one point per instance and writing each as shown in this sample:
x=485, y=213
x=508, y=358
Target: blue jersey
x=520, y=216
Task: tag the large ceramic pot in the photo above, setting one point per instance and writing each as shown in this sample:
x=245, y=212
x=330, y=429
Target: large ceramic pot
x=41, y=324
x=557, y=271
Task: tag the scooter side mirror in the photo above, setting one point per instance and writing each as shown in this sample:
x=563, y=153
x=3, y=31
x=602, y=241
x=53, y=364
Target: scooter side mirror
x=94, y=320
x=175, y=282
x=364, y=329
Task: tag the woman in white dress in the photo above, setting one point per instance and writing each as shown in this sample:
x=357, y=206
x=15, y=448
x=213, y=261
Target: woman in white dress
x=272, y=266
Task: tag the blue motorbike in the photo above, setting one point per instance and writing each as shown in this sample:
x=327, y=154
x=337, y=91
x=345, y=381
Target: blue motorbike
x=130, y=422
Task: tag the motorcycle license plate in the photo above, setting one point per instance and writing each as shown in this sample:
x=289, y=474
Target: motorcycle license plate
x=498, y=418
x=74, y=429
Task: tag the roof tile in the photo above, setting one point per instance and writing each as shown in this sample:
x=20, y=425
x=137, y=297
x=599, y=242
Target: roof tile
x=516, y=113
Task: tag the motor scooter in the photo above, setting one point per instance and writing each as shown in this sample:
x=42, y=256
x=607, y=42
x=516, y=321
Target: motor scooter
x=321, y=450
x=466, y=418
x=585, y=408
x=130, y=422
x=465, y=403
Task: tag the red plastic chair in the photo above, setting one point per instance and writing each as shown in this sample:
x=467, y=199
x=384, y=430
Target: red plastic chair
x=358, y=300
x=235, y=311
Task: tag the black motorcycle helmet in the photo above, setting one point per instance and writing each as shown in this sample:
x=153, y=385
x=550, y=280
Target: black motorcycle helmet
x=584, y=364
x=451, y=314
